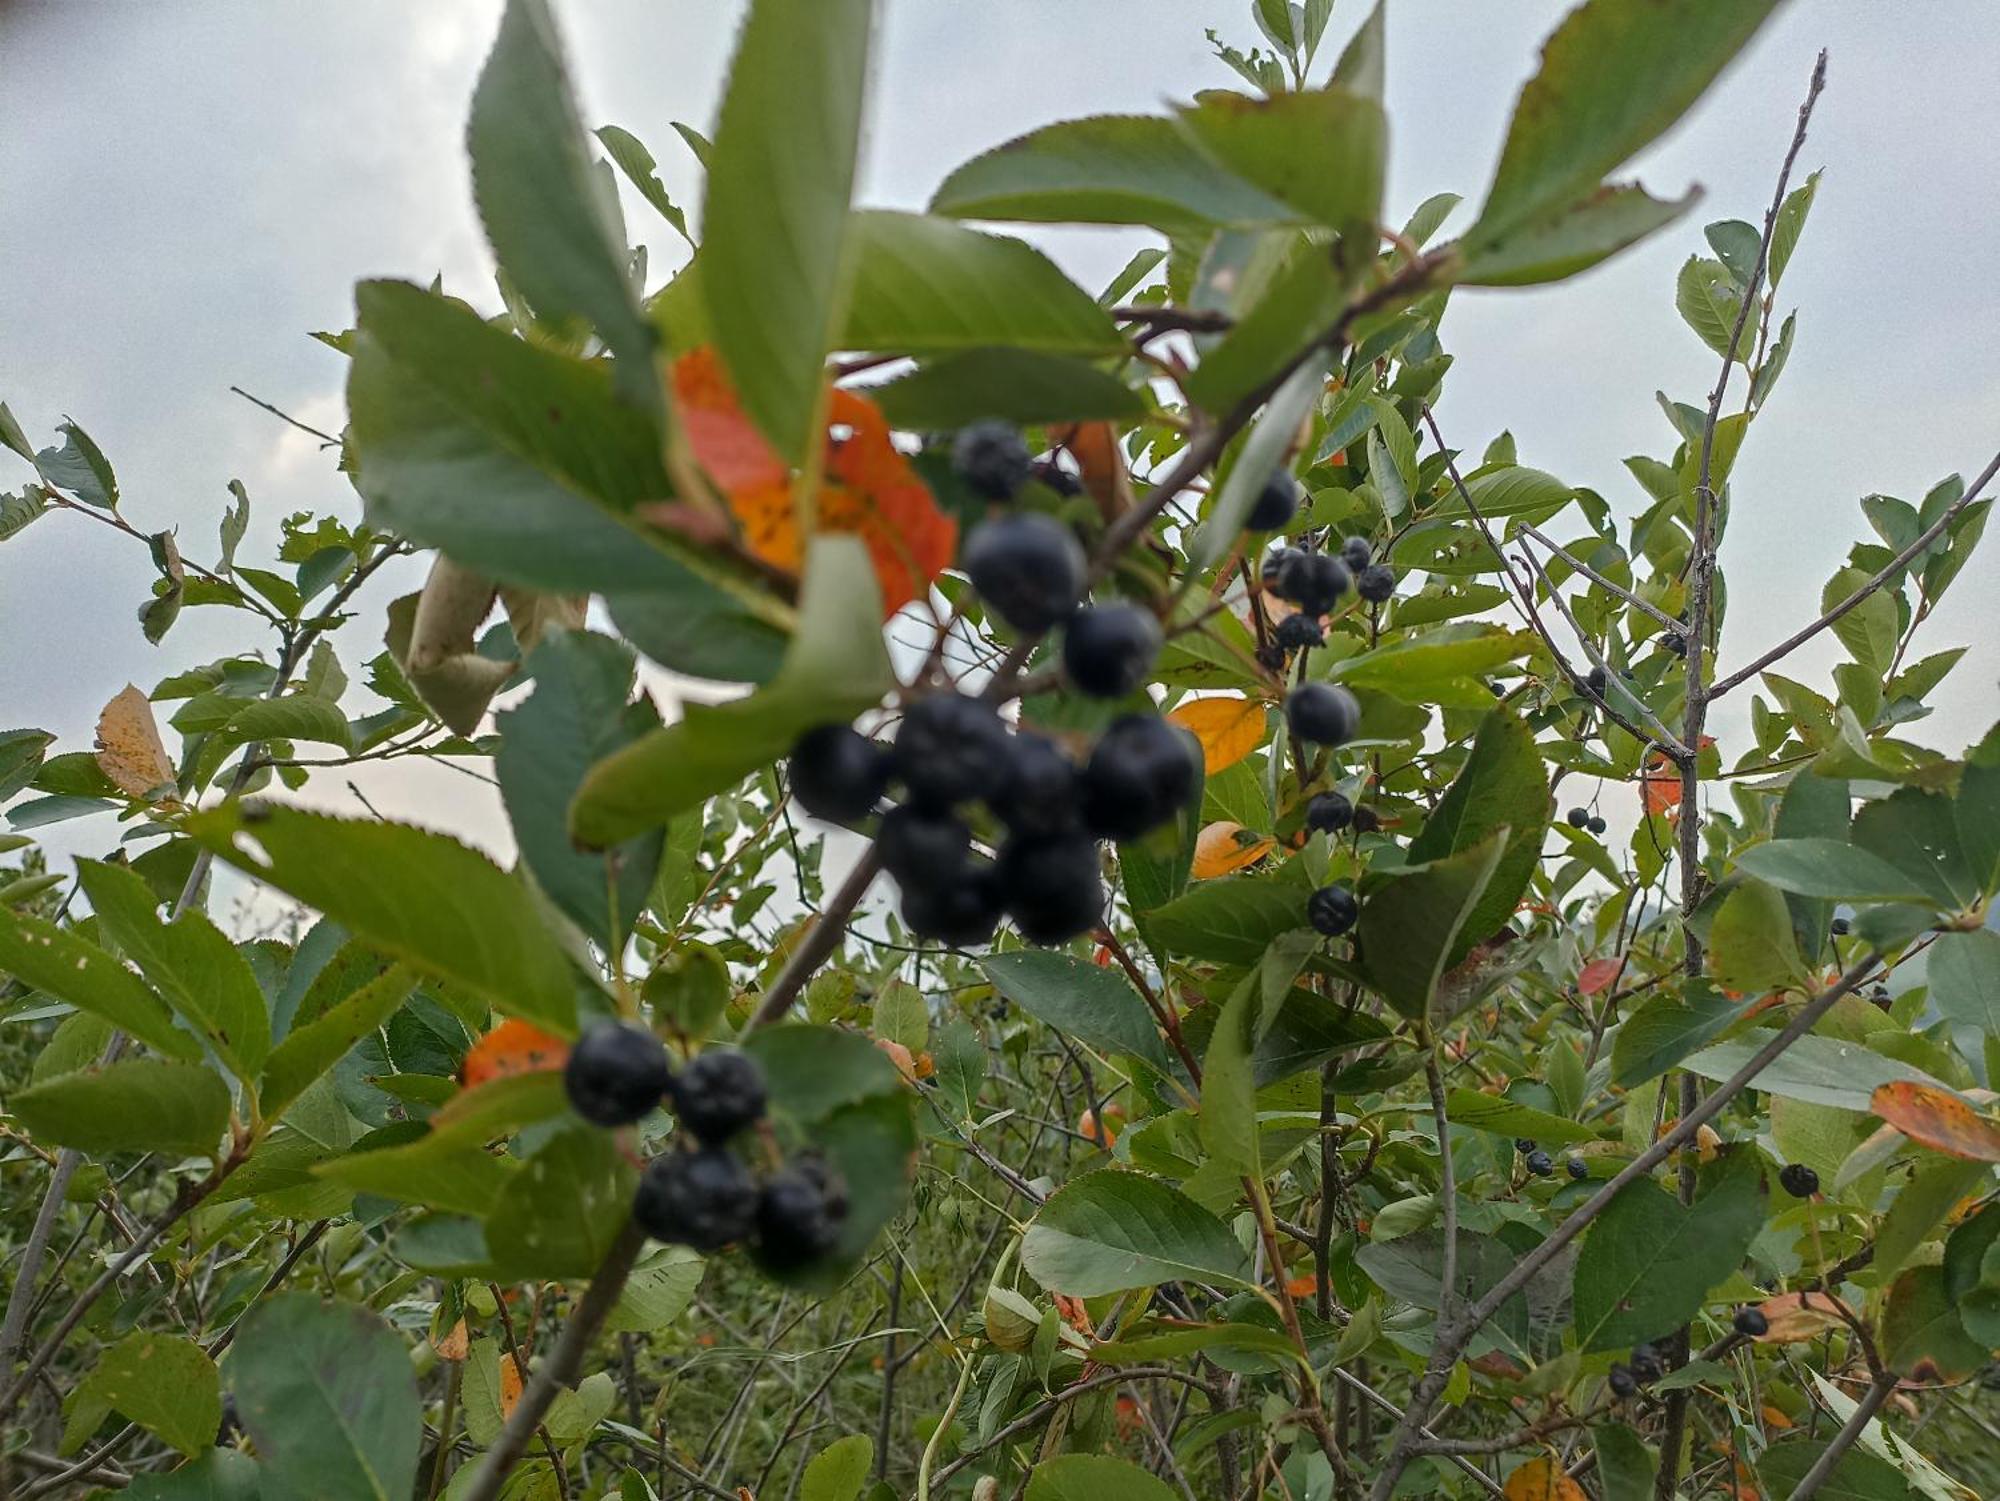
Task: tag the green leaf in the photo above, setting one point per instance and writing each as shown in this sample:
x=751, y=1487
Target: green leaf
x=1669, y=1026
x=837, y=667
x=552, y=220
x=1228, y=1115
x=137, y=1104
x=55, y=960
x=1411, y=1267
x=1108, y=169
x=1626, y=1462
x=165, y=1383
x=1571, y=237
x=424, y=898
x=1857, y=1476
x=296, y=716
x=1505, y=1117
x=838, y=1471
x=1920, y=1206
x=1507, y=490
x=200, y=972
x=1308, y=1029
x=558, y=1216
x=1791, y=222
x=1613, y=78
x=1094, y=1477
x=658, y=1292
x=309, y=1051
x=1918, y=833
x=1751, y=944
x=1301, y=302
x=1818, y=1070
x=1871, y=629
x=21, y=754
x=1410, y=923
x=1095, y=1006
x=1017, y=385
x=440, y=1168
x=1921, y=1324
x=636, y=162
x=1321, y=151
x=79, y=467
x=774, y=220
x=1963, y=972
x=1649, y=1262
x=1110, y=1231
x=1503, y=785
x=327, y=1395
x=1710, y=301
x=1829, y=868
x=1261, y=454
x=925, y=285
x=1234, y=919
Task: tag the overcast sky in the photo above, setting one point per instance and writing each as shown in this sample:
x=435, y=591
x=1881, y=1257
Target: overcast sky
x=187, y=188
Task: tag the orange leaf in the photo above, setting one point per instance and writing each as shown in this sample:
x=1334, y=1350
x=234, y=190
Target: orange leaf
x=513, y=1047
x=1542, y=1479
x=868, y=488
x=1798, y=1316
x=510, y=1385
x=454, y=1343
x=1660, y=782
x=1598, y=975
x=1223, y=847
x=129, y=749
x=1304, y=1285
x=1937, y=1118
x=1228, y=728
x=1101, y=464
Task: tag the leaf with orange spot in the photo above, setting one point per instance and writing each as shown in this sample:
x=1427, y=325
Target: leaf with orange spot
x=129, y=748
x=1542, y=1479
x=1598, y=975
x=1223, y=847
x=1938, y=1119
x=867, y=487
x=1794, y=1317
x=1228, y=728
x=513, y=1047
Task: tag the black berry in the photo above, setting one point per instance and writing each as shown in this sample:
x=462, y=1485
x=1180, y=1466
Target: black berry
x=615, y=1074
x=1332, y=910
x=1356, y=553
x=1322, y=713
x=1578, y=1168
x=702, y=1198
x=231, y=1427
x=1621, y=1382
x=837, y=773
x=1596, y=681
x=1271, y=657
x=991, y=458
x=1053, y=888
x=961, y=912
x=1329, y=813
x=1577, y=818
x=1878, y=997
x=1056, y=478
x=1498, y=690
x=1298, y=631
x=1273, y=567
x=1312, y=581
x=1041, y=791
x=1841, y=927
x=1524, y=1144
x=1675, y=643
x=1751, y=1323
x=1645, y=1363
x=718, y=1094
x=1275, y=504
x=1540, y=1163
x=1798, y=1180
x=799, y=1216
x=1108, y=651
x=1029, y=568
x=919, y=847
x=1141, y=772
x=951, y=748
x=1366, y=819
x=1375, y=583
x=1597, y=825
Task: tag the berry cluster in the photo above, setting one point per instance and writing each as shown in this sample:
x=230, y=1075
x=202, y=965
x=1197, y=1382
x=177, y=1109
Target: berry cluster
x=1640, y=1368
x=699, y=1192
x=1583, y=818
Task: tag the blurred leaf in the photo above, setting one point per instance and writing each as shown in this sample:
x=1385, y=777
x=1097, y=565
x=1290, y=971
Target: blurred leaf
x=1017, y=385
x=637, y=163
x=69, y=968
x=136, y=1104
x=558, y=1216
x=1321, y=151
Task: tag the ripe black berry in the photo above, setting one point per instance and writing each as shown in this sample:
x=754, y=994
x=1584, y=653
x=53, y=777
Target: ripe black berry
x=991, y=458
x=1366, y=819
x=1053, y=888
x=1375, y=583
x=1271, y=657
x=837, y=774
x=1141, y=772
x=1524, y=1144
x=718, y=1094
x=1356, y=554
x=1029, y=568
x=1272, y=569
x=1751, y=1322
x=1596, y=681
x=799, y=1216
x=1540, y=1163
x=961, y=912
x=1498, y=690
x=1675, y=643
x=951, y=748
x=1645, y=1363
x=1621, y=1382
x=1056, y=478
x=1841, y=927
x=1296, y=632
x=1578, y=1168
x=1332, y=910
x=702, y=1198
x=919, y=847
x=1329, y=813
x=1322, y=713
x=1597, y=825
x=1040, y=793
x=1312, y=581
x=615, y=1074
x=1577, y=818
x=1878, y=997
x=1798, y=1180
x=1275, y=504
x=1108, y=651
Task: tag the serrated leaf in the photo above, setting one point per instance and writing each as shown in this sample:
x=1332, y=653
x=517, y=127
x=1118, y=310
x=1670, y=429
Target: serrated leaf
x=1111, y=1231
x=136, y=1104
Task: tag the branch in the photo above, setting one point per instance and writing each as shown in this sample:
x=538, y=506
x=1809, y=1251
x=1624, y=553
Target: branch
x=1529, y=529
x=1871, y=1402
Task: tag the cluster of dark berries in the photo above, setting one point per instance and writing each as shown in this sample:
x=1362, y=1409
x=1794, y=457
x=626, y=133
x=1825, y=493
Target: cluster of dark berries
x=953, y=752
x=1798, y=1180
x=1583, y=818
x=1031, y=570
x=1313, y=582
x=1641, y=1368
x=1533, y=1158
x=699, y=1192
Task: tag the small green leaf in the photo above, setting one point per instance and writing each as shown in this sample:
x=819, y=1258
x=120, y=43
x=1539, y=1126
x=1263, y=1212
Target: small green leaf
x=165, y=1383
x=658, y=1292
x=1710, y=301
x=310, y=1050
x=1751, y=944
x=838, y=1471
x=1791, y=222
x=1095, y=1006
x=137, y=1104
x=636, y=162
x=1017, y=385
x=440, y=1169
x=1110, y=1231
x=1232, y=920
x=1505, y=1117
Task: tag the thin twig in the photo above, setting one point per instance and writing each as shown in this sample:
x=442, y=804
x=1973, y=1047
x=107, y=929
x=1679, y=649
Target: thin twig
x=1871, y=1402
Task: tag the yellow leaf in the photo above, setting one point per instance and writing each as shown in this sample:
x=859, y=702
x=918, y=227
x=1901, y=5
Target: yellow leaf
x=1542, y=1480
x=510, y=1385
x=1938, y=1118
x=1223, y=847
x=1228, y=728
x=129, y=749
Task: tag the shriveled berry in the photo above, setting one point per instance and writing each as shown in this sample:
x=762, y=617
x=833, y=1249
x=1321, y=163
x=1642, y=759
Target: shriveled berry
x=1645, y=1363
x=1376, y=583
x=919, y=847
x=837, y=773
x=1356, y=553
x=1540, y=1163
x=1053, y=888
x=1299, y=631
x=1597, y=825
x=1577, y=818
x=1798, y=1180
x=1578, y=1168
x=1332, y=910
x=1271, y=657
x=1272, y=569
x=1055, y=477
x=1366, y=819
x=1107, y=651
x=1041, y=792
x=951, y=748
x=1841, y=927
x=799, y=1216
x=703, y=1198
x=961, y=912
x=1524, y=1144
x=1275, y=504
x=1329, y=813
x=616, y=1073
x=1878, y=997
x=1322, y=713
x=1029, y=568
x=1596, y=681
x=1751, y=1323
x=1621, y=1382
x=1141, y=772
x=719, y=1093
x=991, y=458
x=1313, y=581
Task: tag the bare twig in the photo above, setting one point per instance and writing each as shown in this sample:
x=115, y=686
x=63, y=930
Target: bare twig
x=1871, y=1402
